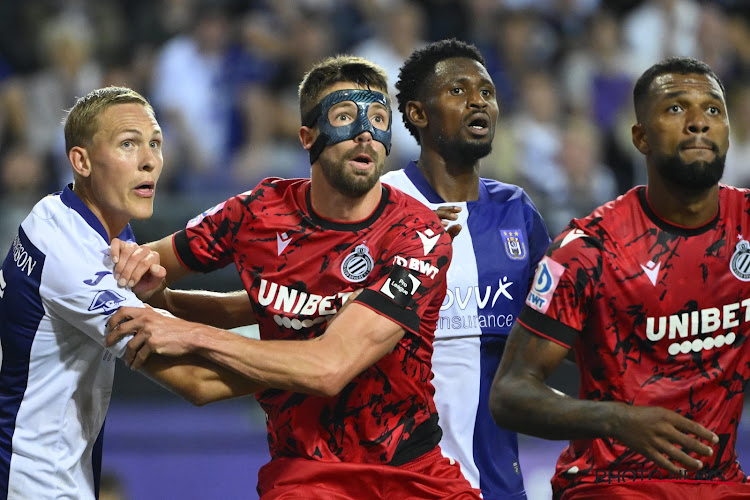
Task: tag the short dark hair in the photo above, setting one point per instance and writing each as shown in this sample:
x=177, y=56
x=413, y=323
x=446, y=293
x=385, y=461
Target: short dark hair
x=420, y=65
x=340, y=68
x=82, y=120
x=678, y=65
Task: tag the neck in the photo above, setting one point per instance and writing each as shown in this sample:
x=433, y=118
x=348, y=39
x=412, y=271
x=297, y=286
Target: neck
x=454, y=181
x=681, y=206
x=330, y=204
x=113, y=228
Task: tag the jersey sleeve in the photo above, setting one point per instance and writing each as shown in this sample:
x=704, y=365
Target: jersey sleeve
x=565, y=284
x=206, y=244
x=413, y=275
x=539, y=239
x=87, y=300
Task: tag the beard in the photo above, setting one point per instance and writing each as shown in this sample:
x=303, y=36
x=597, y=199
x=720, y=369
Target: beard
x=356, y=183
x=466, y=151
x=696, y=175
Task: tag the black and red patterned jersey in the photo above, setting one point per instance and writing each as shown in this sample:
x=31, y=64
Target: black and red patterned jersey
x=298, y=268
x=658, y=315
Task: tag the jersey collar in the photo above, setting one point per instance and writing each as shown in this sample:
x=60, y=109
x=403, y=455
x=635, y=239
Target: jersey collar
x=71, y=200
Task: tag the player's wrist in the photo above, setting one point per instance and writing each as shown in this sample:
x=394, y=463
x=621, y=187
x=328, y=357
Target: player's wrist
x=161, y=299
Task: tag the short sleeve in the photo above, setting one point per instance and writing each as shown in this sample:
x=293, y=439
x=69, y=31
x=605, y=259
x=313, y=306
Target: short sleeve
x=206, y=244
x=565, y=283
x=413, y=275
x=87, y=299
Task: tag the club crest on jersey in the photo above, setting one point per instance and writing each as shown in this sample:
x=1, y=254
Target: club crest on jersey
x=358, y=264
x=515, y=246
x=105, y=301
x=740, y=263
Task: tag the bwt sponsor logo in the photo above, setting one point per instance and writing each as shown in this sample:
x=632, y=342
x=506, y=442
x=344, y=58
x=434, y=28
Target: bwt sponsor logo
x=23, y=260
x=416, y=265
x=294, y=302
x=704, y=321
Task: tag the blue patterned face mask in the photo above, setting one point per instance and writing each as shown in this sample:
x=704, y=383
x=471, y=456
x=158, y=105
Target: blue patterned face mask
x=330, y=135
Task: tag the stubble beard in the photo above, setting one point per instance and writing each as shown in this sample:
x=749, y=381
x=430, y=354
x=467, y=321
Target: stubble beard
x=353, y=184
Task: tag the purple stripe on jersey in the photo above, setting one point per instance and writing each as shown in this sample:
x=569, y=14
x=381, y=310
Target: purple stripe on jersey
x=495, y=448
x=21, y=311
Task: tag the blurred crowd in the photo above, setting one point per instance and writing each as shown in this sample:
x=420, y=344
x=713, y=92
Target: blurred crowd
x=223, y=75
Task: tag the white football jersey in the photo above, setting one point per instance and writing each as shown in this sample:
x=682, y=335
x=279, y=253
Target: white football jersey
x=56, y=294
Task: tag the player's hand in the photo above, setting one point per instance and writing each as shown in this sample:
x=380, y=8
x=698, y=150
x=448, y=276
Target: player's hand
x=138, y=267
x=154, y=331
x=655, y=432
x=447, y=215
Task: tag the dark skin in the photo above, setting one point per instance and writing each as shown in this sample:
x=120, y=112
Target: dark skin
x=458, y=106
x=683, y=115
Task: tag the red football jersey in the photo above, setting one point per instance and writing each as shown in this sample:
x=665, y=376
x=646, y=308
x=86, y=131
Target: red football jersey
x=658, y=316
x=298, y=268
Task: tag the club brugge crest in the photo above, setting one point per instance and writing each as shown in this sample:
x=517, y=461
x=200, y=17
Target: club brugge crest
x=740, y=263
x=515, y=245
x=357, y=265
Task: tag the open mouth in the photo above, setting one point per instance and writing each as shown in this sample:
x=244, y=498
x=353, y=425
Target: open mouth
x=363, y=160
x=479, y=124
x=145, y=189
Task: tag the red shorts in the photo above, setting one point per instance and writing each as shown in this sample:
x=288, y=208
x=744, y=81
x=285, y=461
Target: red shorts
x=430, y=476
x=663, y=490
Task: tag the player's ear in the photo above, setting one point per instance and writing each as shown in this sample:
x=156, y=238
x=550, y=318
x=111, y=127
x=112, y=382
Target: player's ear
x=416, y=114
x=639, y=139
x=79, y=159
x=307, y=137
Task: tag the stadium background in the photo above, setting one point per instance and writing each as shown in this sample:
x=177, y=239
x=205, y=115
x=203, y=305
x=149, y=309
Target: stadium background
x=222, y=76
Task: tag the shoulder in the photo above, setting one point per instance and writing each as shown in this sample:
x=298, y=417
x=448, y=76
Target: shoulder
x=504, y=193
x=594, y=233
x=732, y=194
x=395, y=177
x=51, y=224
x=401, y=200
x=271, y=188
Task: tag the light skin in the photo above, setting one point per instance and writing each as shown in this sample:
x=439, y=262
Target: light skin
x=683, y=115
x=353, y=341
x=115, y=176
x=360, y=159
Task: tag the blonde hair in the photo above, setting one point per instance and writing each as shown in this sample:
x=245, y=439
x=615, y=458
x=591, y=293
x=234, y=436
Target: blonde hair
x=81, y=122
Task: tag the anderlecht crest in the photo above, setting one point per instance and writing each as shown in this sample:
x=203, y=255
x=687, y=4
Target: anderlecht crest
x=515, y=243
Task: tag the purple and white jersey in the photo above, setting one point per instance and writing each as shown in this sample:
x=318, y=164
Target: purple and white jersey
x=56, y=294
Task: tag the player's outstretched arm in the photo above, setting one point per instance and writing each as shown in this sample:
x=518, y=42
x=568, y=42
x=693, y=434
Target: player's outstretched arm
x=521, y=401
x=138, y=267
x=188, y=375
x=321, y=366
x=197, y=380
